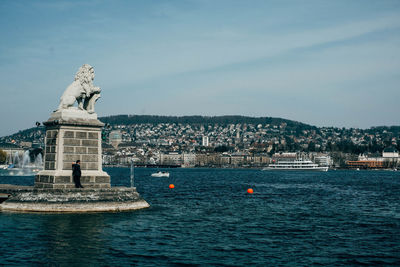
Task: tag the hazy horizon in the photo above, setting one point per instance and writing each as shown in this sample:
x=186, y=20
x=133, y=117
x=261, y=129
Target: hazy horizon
x=323, y=63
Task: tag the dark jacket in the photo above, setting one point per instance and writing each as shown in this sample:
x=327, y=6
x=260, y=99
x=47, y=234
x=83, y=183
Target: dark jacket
x=76, y=170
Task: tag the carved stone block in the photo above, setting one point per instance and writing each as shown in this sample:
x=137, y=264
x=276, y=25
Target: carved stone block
x=68, y=165
x=92, y=166
x=102, y=179
x=63, y=179
x=71, y=157
x=93, y=135
x=80, y=150
x=51, y=141
x=92, y=150
x=81, y=135
x=89, y=143
x=69, y=149
x=69, y=134
x=72, y=142
x=89, y=158
x=50, y=157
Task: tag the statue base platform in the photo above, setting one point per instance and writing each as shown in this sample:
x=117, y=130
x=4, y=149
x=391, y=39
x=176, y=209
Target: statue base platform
x=63, y=179
x=72, y=114
x=31, y=199
x=70, y=138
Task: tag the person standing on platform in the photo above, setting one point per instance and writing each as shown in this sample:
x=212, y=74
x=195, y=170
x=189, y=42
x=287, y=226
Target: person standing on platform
x=76, y=173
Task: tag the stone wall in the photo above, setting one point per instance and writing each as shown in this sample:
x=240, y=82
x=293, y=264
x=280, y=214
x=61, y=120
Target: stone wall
x=50, y=151
x=83, y=146
x=33, y=199
x=60, y=182
x=65, y=144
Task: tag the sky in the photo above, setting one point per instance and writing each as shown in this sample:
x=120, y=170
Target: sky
x=325, y=63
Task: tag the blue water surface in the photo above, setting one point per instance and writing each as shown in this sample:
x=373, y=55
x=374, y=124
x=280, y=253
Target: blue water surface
x=293, y=218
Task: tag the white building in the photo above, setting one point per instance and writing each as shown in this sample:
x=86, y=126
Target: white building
x=390, y=152
x=205, y=141
x=391, y=155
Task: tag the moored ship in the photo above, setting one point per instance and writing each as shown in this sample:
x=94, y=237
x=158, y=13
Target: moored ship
x=295, y=165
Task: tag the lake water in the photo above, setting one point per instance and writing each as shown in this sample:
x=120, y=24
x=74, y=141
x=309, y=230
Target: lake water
x=293, y=218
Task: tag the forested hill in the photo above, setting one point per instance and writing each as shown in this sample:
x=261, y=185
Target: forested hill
x=223, y=120
x=389, y=134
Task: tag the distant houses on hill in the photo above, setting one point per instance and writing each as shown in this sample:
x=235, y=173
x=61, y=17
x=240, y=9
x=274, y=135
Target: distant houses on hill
x=236, y=141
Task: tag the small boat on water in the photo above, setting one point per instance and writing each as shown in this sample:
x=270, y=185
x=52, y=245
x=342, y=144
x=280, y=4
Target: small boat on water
x=160, y=174
x=295, y=165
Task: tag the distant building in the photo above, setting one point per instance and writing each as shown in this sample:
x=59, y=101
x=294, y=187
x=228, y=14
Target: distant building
x=287, y=156
x=365, y=164
x=391, y=157
x=237, y=159
x=115, y=138
x=171, y=158
x=189, y=159
x=323, y=160
x=25, y=144
x=13, y=151
x=258, y=160
x=205, y=141
x=390, y=152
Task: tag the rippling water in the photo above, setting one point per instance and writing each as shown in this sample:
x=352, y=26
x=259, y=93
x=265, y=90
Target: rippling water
x=293, y=218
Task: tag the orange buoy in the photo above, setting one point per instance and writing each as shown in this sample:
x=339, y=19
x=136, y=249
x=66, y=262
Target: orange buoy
x=171, y=186
x=250, y=191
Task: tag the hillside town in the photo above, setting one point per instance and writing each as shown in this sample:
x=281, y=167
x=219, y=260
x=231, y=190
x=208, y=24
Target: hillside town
x=233, y=145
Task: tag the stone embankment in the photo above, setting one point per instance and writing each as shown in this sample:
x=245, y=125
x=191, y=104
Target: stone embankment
x=30, y=199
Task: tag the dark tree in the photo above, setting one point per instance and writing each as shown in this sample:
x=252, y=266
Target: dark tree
x=221, y=149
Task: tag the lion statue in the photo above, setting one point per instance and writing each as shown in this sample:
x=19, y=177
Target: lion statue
x=81, y=90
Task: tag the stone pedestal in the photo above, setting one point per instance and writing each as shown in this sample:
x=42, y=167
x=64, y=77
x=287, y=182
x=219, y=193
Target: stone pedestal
x=72, y=135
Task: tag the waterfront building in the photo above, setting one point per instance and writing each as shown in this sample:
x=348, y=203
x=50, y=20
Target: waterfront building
x=389, y=159
x=171, y=158
x=287, y=156
x=257, y=160
x=390, y=153
x=208, y=159
x=324, y=160
x=237, y=159
x=225, y=159
x=189, y=160
x=365, y=164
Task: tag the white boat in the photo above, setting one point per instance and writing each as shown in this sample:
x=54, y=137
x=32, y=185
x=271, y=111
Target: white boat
x=295, y=165
x=160, y=174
